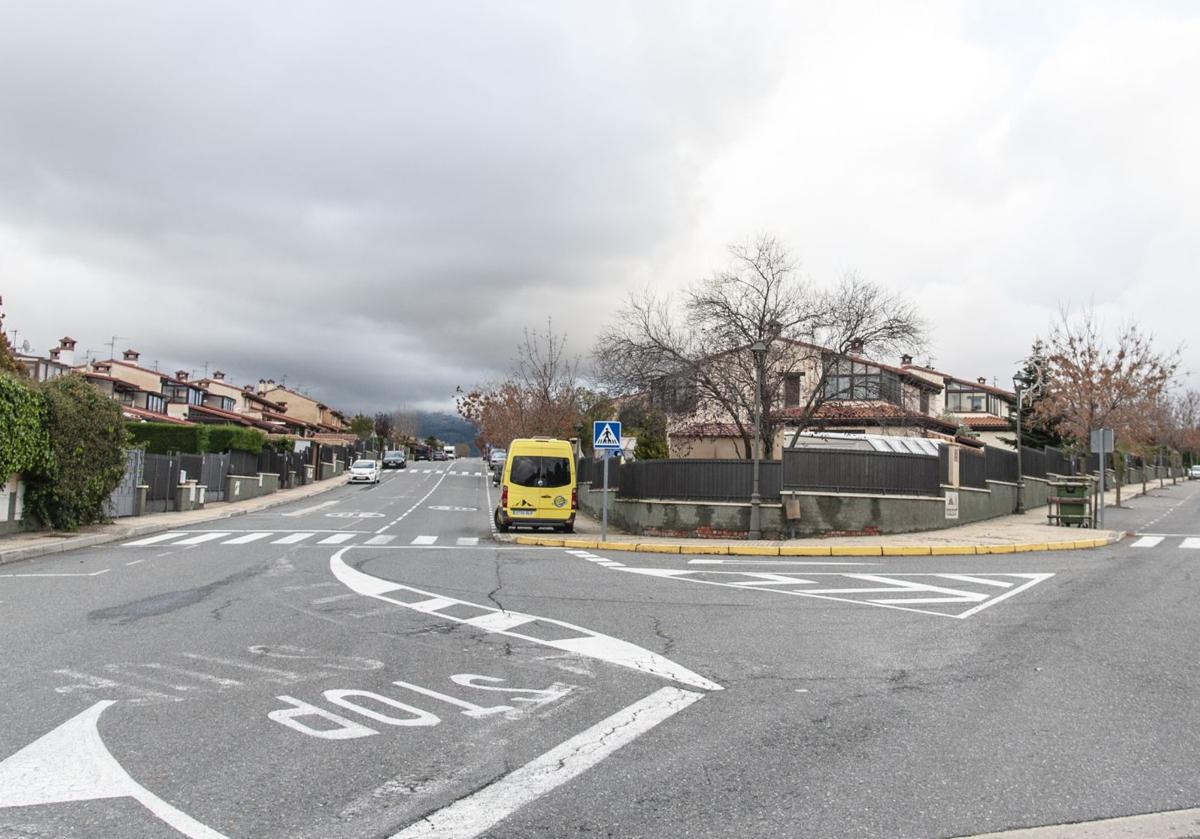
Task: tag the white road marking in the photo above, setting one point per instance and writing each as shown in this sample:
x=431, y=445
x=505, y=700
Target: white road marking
x=286, y=675
x=1190, y=542
x=424, y=540
x=71, y=763
x=1147, y=542
x=195, y=674
x=308, y=510
x=321, y=601
x=983, y=581
x=379, y=540
x=576, y=639
x=499, y=621
x=292, y=538
x=248, y=538
x=161, y=537
x=62, y=574
x=771, y=562
x=467, y=541
x=468, y=817
x=336, y=539
x=135, y=562
x=201, y=538
x=402, y=516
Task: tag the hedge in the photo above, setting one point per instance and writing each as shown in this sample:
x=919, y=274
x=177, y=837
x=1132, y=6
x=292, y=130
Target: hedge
x=225, y=438
x=166, y=437
x=87, y=447
x=24, y=438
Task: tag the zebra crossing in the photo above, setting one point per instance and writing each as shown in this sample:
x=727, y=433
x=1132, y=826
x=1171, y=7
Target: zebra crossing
x=1153, y=541
x=458, y=472
x=308, y=538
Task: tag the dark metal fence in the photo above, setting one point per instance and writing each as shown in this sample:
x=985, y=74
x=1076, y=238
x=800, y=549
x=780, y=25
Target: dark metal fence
x=592, y=472
x=160, y=472
x=1001, y=465
x=696, y=480
x=972, y=469
x=882, y=473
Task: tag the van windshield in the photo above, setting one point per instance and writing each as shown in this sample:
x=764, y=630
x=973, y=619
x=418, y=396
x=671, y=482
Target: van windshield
x=538, y=471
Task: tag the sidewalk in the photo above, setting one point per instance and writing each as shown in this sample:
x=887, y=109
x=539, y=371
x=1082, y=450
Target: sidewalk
x=21, y=546
x=1002, y=535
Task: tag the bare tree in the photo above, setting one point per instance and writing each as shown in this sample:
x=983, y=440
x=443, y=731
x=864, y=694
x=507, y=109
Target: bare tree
x=700, y=353
x=541, y=396
x=406, y=424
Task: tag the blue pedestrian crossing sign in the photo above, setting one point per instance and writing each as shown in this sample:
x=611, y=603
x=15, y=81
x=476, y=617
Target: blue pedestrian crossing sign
x=606, y=434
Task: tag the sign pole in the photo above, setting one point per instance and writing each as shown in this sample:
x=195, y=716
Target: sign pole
x=604, y=514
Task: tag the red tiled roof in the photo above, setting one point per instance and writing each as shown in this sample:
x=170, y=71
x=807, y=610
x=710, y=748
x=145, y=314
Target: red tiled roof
x=985, y=422
x=138, y=413
x=995, y=391
x=241, y=419
x=125, y=363
x=284, y=418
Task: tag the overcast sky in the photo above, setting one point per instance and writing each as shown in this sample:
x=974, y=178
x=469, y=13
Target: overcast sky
x=374, y=199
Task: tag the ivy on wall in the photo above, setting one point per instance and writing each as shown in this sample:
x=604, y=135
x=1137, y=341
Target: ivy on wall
x=24, y=439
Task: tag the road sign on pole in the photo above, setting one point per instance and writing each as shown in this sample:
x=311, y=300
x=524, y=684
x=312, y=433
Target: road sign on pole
x=1102, y=444
x=606, y=435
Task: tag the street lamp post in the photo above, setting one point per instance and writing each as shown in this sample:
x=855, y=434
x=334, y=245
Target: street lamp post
x=1020, y=474
x=759, y=349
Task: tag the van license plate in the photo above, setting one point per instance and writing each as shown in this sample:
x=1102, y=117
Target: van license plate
x=522, y=512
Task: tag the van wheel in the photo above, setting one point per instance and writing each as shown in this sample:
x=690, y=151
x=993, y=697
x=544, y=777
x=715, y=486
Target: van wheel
x=569, y=528
x=500, y=524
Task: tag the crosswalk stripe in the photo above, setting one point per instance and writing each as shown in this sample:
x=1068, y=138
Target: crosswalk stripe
x=201, y=538
x=248, y=538
x=150, y=540
x=1190, y=542
x=1147, y=542
x=424, y=540
x=379, y=540
x=292, y=538
x=499, y=621
x=468, y=541
x=336, y=539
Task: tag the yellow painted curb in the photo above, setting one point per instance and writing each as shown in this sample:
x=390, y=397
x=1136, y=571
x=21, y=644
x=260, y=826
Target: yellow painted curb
x=1037, y=546
x=1060, y=546
x=616, y=546
x=995, y=549
x=856, y=550
x=805, y=550
x=547, y=542
x=722, y=550
x=1085, y=543
x=753, y=550
x=907, y=550
x=649, y=547
x=580, y=543
x=952, y=550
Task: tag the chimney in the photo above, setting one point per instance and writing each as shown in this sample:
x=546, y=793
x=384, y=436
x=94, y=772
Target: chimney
x=66, y=351
x=905, y=360
x=262, y=386
x=982, y=380
x=54, y=353
x=218, y=375
x=856, y=346
x=131, y=356
x=182, y=375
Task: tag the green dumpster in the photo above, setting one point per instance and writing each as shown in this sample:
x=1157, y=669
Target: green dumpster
x=1073, y=502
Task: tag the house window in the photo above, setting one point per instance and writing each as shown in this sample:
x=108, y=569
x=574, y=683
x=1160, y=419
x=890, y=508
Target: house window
x=226, y=403
x=858, y=382
x=155, y=403
x=961, y=401
x=924, y=402
x=791, y=390
x=195, y=397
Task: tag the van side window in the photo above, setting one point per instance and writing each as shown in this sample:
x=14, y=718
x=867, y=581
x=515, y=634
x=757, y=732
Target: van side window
x=535, y=471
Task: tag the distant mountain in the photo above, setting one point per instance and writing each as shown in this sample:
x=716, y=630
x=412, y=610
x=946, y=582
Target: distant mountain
x=449, y=428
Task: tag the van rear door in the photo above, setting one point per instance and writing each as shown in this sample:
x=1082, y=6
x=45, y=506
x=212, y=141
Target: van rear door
x=539, y=482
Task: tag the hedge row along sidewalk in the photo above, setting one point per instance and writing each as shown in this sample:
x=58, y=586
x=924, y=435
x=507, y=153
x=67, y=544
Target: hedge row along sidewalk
x=20, y=546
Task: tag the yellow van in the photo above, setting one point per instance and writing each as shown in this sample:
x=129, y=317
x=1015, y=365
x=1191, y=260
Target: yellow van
x=537, y=487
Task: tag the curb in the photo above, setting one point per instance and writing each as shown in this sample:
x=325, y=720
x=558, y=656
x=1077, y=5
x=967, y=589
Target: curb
x=817, y=550
x=70, y=543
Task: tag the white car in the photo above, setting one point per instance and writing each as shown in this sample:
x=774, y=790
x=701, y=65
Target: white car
x=364, y=472
x=1194, y=472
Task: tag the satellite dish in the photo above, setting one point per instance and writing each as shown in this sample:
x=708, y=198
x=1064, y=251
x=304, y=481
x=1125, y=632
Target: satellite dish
x=25, y=346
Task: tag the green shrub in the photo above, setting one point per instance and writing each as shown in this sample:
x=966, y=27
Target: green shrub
x=281, y=443
x=24, y=440
x=224, y=438
x=166, y=437
x=87, y=458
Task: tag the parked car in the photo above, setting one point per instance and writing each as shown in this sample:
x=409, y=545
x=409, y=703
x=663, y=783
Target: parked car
x=496, y=464
x=538, y=488
x=394, y=460
x=420, y=453
x=438, y=454
x=364, y=472
x=1194, y=472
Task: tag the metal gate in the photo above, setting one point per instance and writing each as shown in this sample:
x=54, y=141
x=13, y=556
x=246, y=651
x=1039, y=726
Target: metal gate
x=123, y=499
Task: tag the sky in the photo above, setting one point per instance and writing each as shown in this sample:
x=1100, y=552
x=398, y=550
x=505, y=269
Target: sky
x=373, y=200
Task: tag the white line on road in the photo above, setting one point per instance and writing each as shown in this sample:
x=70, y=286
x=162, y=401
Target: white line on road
x=336, y=539
x=1190, y=542
x=150, y=540
x=379, y=540
x=468, y=817
x=292, y=538
x=248, y=538
x=63, y=574
x=1147, y=542
x=202, y=538
x=314, y=507
x=424, y=540
x=467, y=541
x=770, y=562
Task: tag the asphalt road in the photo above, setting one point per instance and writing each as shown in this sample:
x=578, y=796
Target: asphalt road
x=370, y=663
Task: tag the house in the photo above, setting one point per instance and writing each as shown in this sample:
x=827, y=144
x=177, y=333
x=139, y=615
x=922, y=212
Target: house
x=858, y=395
x=300, y=407
x=59, y=361
x=137, y=388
